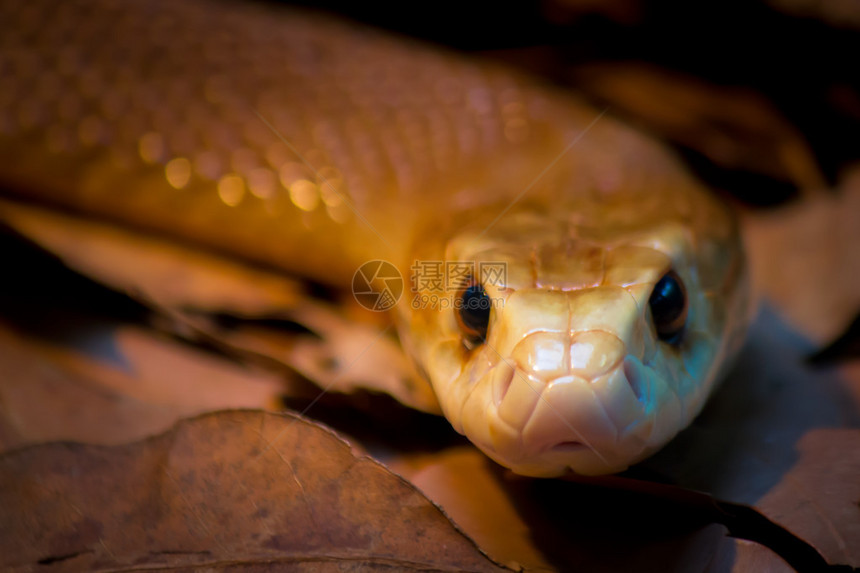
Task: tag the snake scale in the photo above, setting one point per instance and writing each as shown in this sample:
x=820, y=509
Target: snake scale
x=312, y=145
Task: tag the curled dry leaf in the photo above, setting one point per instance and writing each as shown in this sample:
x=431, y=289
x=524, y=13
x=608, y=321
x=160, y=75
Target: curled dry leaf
x=236, y=491
x=338, y=354
x=373, y=360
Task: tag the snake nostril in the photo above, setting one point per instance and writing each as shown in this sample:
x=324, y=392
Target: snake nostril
x=634, y=379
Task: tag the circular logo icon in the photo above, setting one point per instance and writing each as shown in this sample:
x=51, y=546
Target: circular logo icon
x=377, y=285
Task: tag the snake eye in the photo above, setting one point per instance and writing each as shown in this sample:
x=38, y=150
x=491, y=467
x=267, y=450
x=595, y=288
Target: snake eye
x=668, y=304
x=473, y=314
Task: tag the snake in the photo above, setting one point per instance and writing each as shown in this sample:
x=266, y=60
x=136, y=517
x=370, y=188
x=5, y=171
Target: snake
x=580, y=293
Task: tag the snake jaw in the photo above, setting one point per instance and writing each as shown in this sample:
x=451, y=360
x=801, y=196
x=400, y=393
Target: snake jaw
x=576, y=396
x=503, y=375
x=584, y=400
x=591, y=426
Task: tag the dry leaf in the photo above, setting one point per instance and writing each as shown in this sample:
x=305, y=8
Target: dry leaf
x=805, y=261
x=342, y=355
x=749, y=557
x=231, y=491
x=819, y=498
x=155, y=270
x=462, y=481
x=133, y=385
x=337, y=354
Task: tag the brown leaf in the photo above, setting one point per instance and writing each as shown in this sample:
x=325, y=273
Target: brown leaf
x=464, y=484
x=153, y=269
x=237, y=490
x=805, y=261
x=750, y=558
x=343, y=355
x=819, y=499
x=338, y=354
x=133, y=385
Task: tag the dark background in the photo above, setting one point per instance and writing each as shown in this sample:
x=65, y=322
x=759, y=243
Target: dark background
x=801, y=60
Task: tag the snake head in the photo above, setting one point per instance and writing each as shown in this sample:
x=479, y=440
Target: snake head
x=599, y=342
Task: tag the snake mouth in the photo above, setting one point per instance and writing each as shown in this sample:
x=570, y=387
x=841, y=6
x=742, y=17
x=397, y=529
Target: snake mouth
x=544, y=426
x=634, y=377
x=568, y=421
x=502, y=379
x=568, y=446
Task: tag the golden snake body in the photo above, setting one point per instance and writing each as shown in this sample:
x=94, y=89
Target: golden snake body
x=314, y=146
